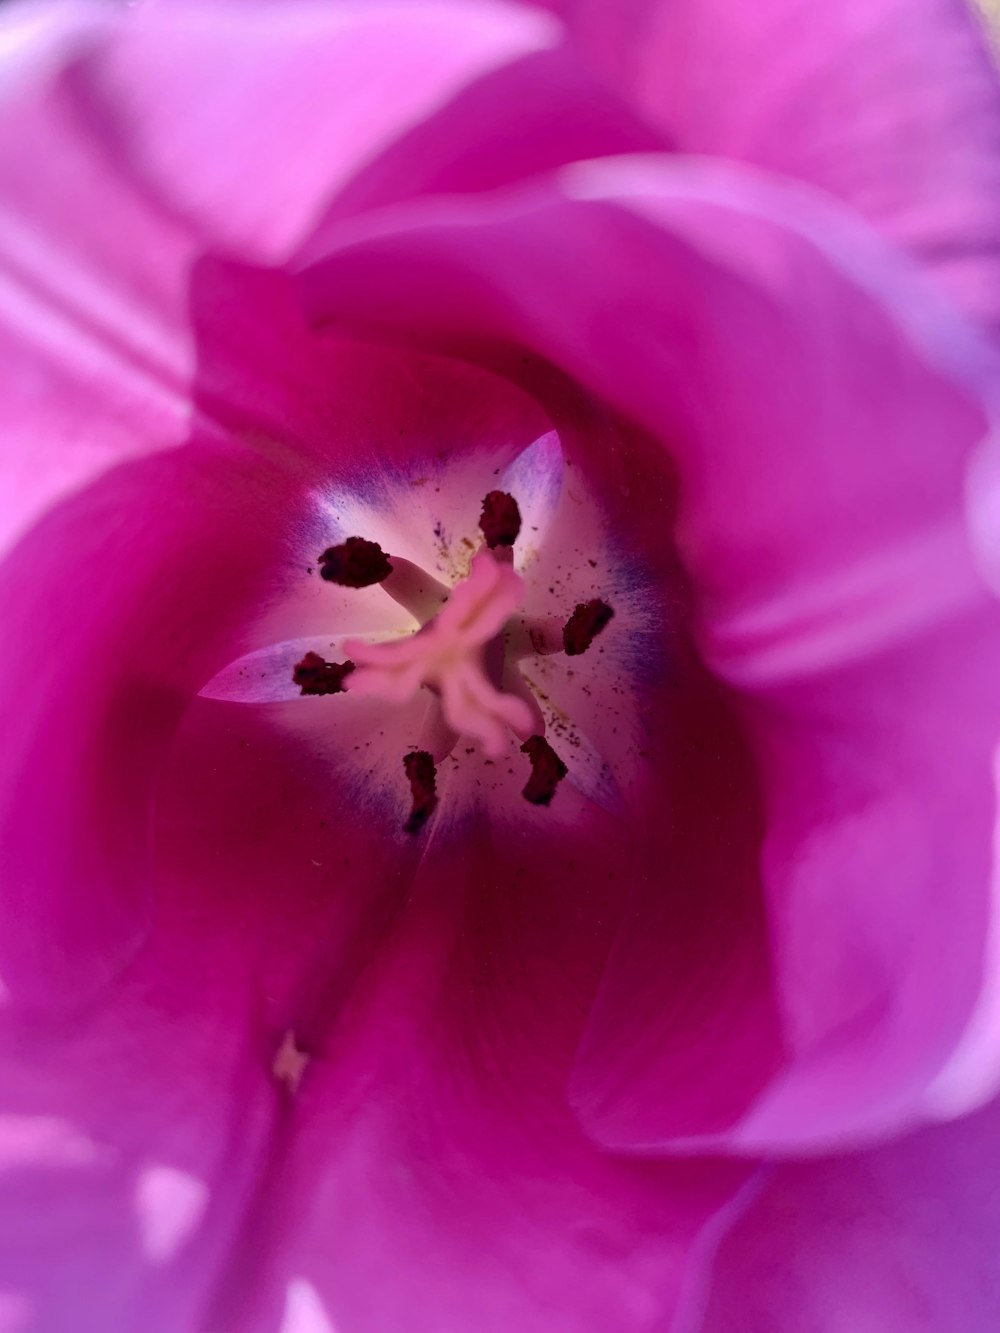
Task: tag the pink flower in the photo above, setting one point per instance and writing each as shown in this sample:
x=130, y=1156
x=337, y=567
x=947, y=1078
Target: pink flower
x=310, y=1020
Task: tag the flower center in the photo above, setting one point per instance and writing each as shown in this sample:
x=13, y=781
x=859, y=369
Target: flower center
x=450, y=656
x=465, y=653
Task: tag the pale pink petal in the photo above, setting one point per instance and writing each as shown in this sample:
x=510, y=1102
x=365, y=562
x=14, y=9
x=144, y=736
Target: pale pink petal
x=265, y=675
x=93, y=325
x=894, y=105
x=531, y=116
x=248, y=118
x=803, y=381
x=902, y=1238
x=134, y=1138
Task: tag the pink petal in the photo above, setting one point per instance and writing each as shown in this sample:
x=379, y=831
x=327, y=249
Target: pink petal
x=132, y=116
x=247, y=118
x=194, y=1187
x=140, y=1138
x=903, y=1237
x=392, y=445
x=804, y=381
x=206, y=558
x=531, y=116
x=123, y=600
x=132, y=1140
x=893, y=105
x=398, y=449
x=432, y=1125
x=93, y=334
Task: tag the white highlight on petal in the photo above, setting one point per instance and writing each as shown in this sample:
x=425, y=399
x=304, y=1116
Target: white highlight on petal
x=265, y=675
x=972, y=1074
x=15, y=1312
x=589, y=772
x=170, y=1205
x=982, y=501
x=45, y=1141
x=304, y=1311
x=34, y=36
x=850, y=615
x=448, y=656
x=535, y=478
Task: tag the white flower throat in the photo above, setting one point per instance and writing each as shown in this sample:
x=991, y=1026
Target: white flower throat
x=465, y=653
x=448, y=637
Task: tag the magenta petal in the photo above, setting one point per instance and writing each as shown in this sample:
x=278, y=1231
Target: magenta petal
x=362, y=426
x=893, y=105
x=143, y=1136
x=903, y=1237
x=803, y=380
x=136, y=590
x=437, y=1179
x=124, y=599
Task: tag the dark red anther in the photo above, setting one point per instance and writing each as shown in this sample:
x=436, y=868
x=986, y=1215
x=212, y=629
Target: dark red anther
x=547, y=771
x=500, y=520
x=314, y=675
x=356, y=563
x=584, y=625
x=419, y=768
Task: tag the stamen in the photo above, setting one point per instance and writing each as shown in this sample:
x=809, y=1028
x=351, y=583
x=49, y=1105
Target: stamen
x=584, y=625
x=317, y=676
x=533, y=636
x=500, y=520
x=415, y=590
x=464, y=653
x=547, y=771
x=356, y=563
x=419, y=768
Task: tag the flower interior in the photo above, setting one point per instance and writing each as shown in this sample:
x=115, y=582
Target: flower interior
x=465, y=653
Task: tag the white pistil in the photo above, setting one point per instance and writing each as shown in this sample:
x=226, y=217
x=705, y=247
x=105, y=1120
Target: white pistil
x=449, y=655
